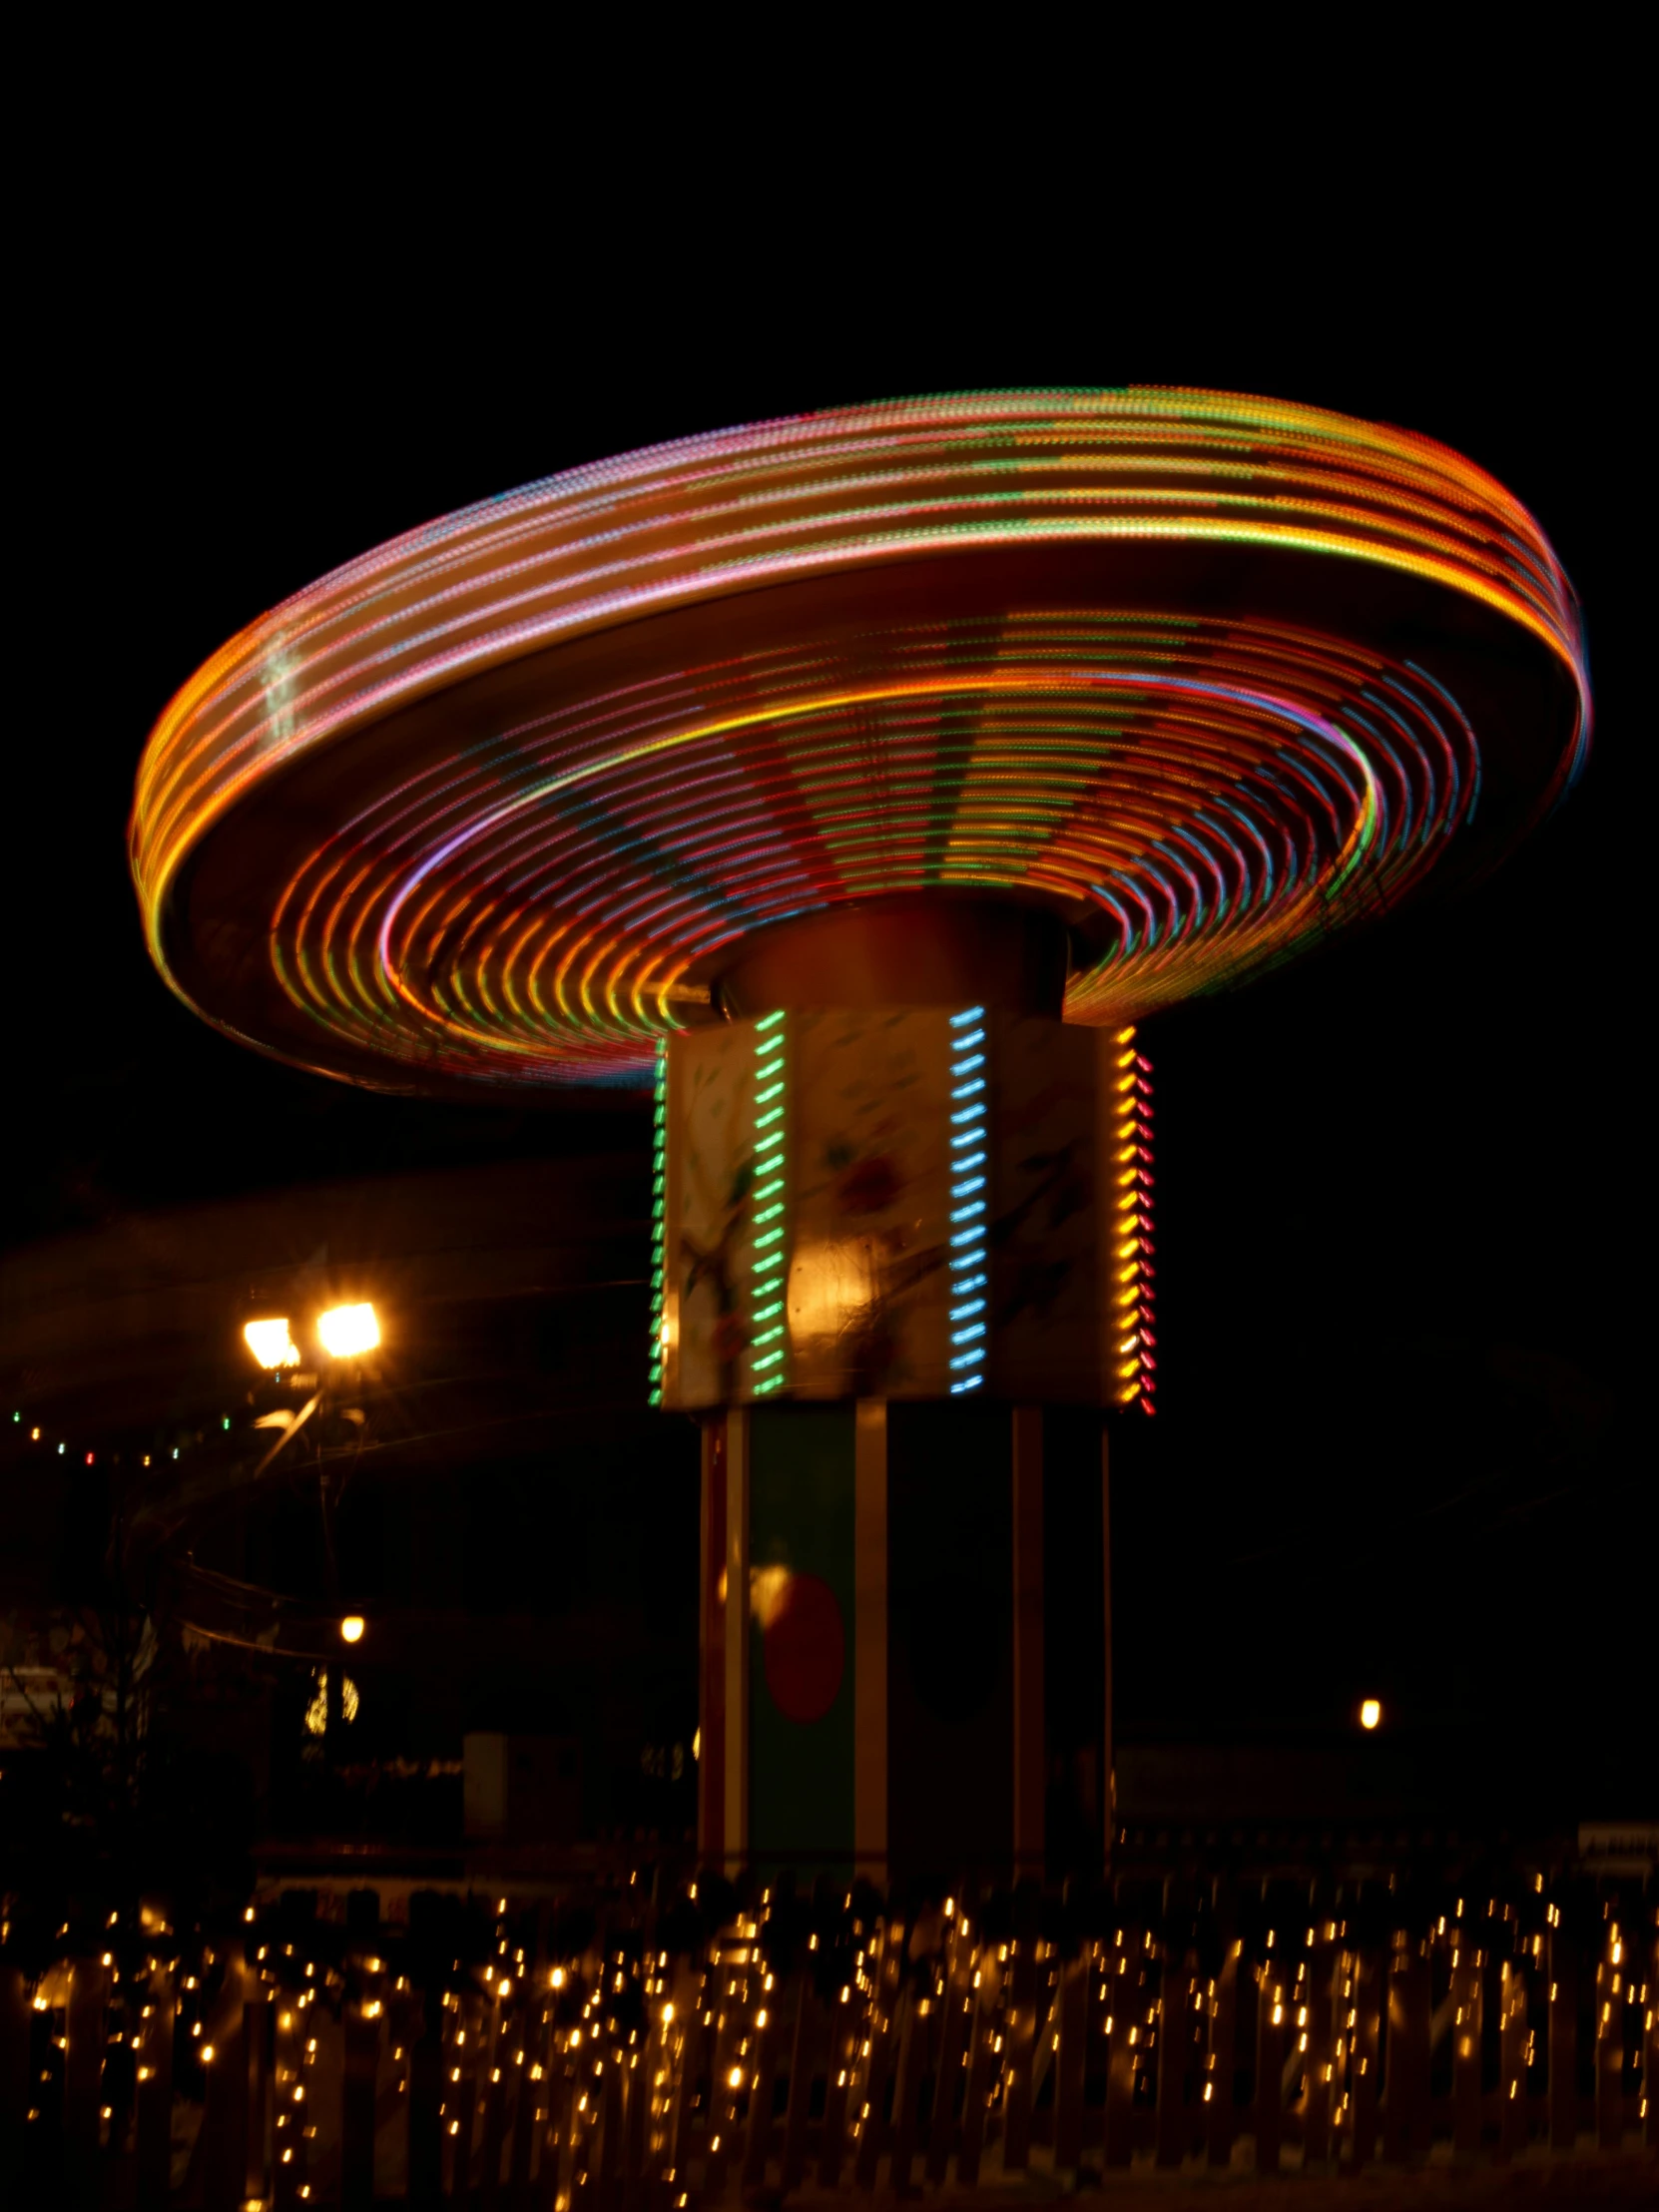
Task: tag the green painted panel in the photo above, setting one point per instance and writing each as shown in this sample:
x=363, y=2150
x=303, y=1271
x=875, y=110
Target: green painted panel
x=802, y=1595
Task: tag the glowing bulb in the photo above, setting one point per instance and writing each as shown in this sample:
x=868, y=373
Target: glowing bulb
x=271, y=1343
x=1371, y=1713
x=351, y=1628
x=346, y=1331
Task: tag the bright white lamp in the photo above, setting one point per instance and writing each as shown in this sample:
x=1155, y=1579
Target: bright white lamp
x=271, y=1343
x=347, y=1331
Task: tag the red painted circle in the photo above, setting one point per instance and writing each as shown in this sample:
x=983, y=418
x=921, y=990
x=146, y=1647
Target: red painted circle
x=806, y=1649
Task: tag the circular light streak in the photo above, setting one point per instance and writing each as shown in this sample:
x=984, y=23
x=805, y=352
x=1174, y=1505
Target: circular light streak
x=1209, y=676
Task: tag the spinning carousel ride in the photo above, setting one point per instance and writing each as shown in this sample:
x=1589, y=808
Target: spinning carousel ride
x=860, y=783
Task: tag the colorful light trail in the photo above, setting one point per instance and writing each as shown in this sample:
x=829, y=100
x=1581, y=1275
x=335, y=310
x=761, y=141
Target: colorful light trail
x=1208, y=676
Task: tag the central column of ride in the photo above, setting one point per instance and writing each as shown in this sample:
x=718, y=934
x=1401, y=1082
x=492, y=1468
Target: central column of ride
x=902, y=1208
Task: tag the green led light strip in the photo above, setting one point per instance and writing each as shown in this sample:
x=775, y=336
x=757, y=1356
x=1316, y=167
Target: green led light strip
x=768, y=1271
x=659, y=1227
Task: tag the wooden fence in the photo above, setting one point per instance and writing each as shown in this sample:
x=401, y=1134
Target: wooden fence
x=642, y=2058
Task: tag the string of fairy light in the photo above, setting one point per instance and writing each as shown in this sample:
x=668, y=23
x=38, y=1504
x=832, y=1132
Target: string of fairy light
x=547, y=897
x=52, y=1443
x=654, y=2044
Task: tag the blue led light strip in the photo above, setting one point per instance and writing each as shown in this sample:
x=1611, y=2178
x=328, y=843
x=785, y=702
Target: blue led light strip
x=968, y=1329
x=769, y=1200
x=659, y=1227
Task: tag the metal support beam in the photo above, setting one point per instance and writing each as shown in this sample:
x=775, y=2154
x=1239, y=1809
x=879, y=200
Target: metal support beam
x=737, y=1639
x=710, y=1699
x=870, y=1639
x=1030, y=1747
x=1108, y=1770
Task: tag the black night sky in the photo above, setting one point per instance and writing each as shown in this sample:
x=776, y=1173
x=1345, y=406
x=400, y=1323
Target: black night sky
x=1403, y=1266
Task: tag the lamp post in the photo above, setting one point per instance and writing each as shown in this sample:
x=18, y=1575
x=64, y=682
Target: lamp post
x=341, y=1334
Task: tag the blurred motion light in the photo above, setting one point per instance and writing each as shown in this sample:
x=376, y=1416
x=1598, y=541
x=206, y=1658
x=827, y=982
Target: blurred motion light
x=271, y=1343
x=1371, y=1713
x=348, y=1329
x=351, y=1628
x=1223, y=677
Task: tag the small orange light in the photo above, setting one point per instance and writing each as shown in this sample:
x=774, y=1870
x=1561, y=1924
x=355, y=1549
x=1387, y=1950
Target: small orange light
x=1371, y=1713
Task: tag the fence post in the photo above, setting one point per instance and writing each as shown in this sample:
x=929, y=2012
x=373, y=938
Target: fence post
x=82, y=2074
x=1221, y=2066
x=973, y=2140
x=14, y=2069
x=555, y=2142
x=1118, y=2145
x=290, y=2157
x=1610, y=2041
x=493, y=2056
x=1270, y=2067
x=761, y=2093
x=225, y=2122
x=533, y=2064
x=722, y=2111
x=1324, y=1966
x=953, y=2037
x=610, y=2134
x=425, y=2095
x=1098, y=2047
x=1019, y=2050
x=1175, y=2039
x=1405, y=2113
x=361, y=2026
x=912, y=2049
x=155, y=2095
x=870, y=2122
x=837, y=2077
x=1366, y=2048
x=258, y=2029
x=1563, y=2041
x=808, y=2034
x=1511, y=2070
x=1650, y=2050
x=533, y=2088
x=1466, y=2020
x=1071, y=2018
x=693, y=2040
x=461, y=2097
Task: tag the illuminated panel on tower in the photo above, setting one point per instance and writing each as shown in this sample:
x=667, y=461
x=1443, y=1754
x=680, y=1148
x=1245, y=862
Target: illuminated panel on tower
x=659, y=1252
x=970, y=1311
x=769, y=1338
x=1134, y=1359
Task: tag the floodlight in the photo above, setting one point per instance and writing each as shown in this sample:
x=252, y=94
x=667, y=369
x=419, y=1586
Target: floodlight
x=348, y=1329
x=271, y=1343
